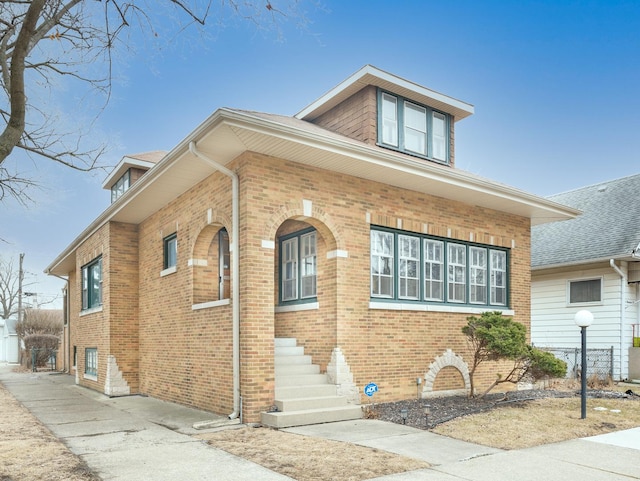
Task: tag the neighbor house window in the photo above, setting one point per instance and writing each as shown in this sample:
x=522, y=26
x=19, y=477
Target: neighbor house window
x=298, y=266
x=91, y=361
x=92, y=284
x=589, y=290
x=412, y=128
x=170, y=251
x=414, y=267
x=121, y=186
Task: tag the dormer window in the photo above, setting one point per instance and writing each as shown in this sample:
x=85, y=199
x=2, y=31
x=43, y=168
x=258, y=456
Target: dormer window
x=412, y=128
x=121, y=186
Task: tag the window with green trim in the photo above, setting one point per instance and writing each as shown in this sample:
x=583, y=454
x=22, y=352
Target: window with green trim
x=412, y=128
x=92, y=284
x=170, y=251
x=415, y=267
x=91, y=361
x=298, y=267
x=121, y=186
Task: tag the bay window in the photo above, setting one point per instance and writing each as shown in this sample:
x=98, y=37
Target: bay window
x=416, y=267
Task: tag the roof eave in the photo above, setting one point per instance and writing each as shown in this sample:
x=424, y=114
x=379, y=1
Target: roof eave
x=370, y=75
x=231, y=124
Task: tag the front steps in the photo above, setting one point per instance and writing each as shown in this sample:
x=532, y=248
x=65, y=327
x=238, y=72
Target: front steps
x=304, y=396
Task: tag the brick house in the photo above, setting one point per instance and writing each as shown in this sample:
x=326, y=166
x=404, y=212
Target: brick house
x=282, y=263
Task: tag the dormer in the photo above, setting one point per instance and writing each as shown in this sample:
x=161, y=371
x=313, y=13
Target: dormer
x=129, y=170
x=382, y=109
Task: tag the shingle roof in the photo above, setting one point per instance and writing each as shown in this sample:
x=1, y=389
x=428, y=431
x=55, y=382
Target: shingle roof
x=608, y=228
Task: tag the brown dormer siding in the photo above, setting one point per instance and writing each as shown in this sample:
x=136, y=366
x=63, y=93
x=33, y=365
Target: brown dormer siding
x=356, y=117
x=135, y=174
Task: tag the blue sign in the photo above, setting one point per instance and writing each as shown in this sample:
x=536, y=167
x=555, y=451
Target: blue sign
x=370, y=389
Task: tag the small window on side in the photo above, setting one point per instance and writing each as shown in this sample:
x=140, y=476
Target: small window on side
x=170, y=251
x=584, y=291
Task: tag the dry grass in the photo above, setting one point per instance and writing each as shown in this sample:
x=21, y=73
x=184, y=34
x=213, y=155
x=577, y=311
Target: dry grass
x=542, y=422
x=29, y=451
x=310, y=459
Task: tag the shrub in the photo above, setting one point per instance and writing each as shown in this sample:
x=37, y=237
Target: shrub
x=494, y=337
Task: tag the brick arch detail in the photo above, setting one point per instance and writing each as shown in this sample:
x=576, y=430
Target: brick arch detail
x=448, y=358
x=204, y=228
x=318, y=219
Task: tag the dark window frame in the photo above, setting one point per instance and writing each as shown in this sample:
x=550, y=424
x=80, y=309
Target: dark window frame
x=92, y=291
x=170, y=251
x=400, y=143
x=439, y=274
x=299, y=269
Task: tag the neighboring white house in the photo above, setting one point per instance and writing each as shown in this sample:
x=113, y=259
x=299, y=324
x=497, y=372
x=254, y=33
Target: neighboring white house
x=9, y=341
x=591, y=262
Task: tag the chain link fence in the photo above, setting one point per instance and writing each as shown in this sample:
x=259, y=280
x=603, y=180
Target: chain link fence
x=599, y=361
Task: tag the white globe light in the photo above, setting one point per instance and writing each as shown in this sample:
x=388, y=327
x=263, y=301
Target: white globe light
x=583, y=318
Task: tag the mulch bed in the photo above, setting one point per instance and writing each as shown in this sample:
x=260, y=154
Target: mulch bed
x=443, y=409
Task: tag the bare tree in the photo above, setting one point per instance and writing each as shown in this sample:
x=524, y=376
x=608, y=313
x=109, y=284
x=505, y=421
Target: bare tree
x=44, y=42
x=40, y=321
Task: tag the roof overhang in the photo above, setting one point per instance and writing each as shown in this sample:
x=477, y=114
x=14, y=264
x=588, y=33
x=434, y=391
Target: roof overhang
x=125, y=164
x=369, y=75
x=228, y=133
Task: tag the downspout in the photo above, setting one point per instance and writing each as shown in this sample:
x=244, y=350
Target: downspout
x=67, y=355
x=235, y=273
x=623, y=302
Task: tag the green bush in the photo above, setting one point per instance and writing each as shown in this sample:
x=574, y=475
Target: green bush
x=494, y=337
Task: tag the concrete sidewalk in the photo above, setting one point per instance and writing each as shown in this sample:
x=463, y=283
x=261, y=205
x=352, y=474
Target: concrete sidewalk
x=128, y=438
x=135, y=437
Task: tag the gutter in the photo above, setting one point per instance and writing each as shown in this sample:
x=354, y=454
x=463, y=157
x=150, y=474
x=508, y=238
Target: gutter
x=235, y=273
x=623, y=301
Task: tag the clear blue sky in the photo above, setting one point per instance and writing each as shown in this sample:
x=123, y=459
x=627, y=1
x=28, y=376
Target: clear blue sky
x=555, y=85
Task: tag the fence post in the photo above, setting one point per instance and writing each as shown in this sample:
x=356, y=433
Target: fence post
x=611, y=366
x=575, y=362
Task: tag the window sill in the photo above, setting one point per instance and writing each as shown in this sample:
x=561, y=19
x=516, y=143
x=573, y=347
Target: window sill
x=90, y=377
x=207, y=305
x=307, y=306
x=167, y=271
x=409, y=306
x=93, y=310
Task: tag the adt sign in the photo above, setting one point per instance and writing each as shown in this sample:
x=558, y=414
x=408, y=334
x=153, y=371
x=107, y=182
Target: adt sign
x=370, y=389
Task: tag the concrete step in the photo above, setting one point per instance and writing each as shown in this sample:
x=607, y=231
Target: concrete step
x=279, y=360
x=311, y=416
x=300, y=380
x=295, y=369
x=309, y=391
x=305, y=403
x=289, y=351
x=285, y=342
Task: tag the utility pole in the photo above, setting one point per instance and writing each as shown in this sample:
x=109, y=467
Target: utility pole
x=20, y=279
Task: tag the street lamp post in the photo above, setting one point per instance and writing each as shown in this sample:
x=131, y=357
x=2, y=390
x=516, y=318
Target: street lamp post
x=583, y=319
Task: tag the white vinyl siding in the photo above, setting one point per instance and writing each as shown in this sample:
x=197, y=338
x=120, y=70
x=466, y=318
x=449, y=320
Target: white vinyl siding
x=552, y=316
